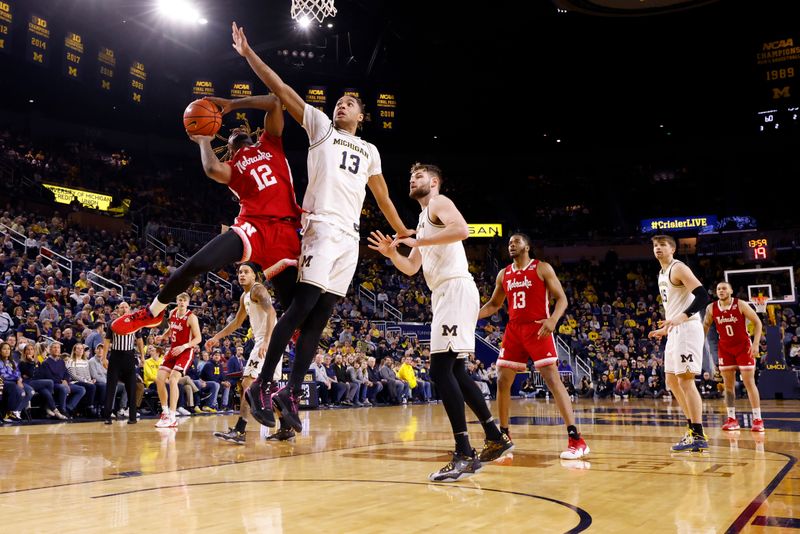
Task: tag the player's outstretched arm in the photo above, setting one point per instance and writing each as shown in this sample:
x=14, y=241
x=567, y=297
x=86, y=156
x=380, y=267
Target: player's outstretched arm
x=496, y=302
x=212, y=166
x=273, y=120
x=384, y=244
x=294, y=104
x=230, y=328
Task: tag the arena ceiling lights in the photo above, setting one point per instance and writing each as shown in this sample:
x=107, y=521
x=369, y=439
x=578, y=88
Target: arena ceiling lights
x=182, y=11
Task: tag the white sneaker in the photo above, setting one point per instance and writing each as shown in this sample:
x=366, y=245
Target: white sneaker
x=123, y=412
x=183, y=411
x=165, y=421
x=173, y=421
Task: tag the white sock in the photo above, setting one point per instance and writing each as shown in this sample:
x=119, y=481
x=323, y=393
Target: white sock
x=156, y=307
x=165, y=411
x=732, y=413
x=756, y=413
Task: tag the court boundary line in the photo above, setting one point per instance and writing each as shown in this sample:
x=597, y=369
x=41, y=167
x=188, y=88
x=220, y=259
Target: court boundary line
x=584, y=522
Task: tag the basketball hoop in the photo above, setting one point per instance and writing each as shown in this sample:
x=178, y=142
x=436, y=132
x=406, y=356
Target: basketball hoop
x=312, y=9
x=760, y=302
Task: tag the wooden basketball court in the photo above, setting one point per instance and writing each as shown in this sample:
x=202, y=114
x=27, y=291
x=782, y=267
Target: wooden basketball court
x=365, y=470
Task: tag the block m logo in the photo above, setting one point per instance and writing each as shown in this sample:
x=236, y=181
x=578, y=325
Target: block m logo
x=687, y=358
x=783, y=92
x=241, y=116
x=449, y=330
x=306, y=261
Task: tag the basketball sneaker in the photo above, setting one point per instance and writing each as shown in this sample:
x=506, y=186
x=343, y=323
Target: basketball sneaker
x=231, y=436
x=690, y=442
x=576, y=449
x=757, y=426
x=731, y=424
x=131, y=322
x=259, y=396
x=165, y=421
x=283, y=434
x=278, y=267
x=495, y=449
x=288, y=406
x=458, y=468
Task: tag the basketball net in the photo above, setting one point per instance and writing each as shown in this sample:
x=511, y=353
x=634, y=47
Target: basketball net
x=313, y=9
x=760, y=302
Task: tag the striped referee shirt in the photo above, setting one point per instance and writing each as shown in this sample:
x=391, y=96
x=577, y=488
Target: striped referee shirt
x=126, y=342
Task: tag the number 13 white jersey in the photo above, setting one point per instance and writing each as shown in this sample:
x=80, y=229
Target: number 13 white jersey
x=339, y=167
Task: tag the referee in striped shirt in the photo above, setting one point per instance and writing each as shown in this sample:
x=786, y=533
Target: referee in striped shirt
x=121, y=366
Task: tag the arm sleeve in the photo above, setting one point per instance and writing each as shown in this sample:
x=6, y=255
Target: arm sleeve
x=700, y=301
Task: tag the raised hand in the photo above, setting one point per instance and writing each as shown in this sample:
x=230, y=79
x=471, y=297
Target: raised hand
x=382, y=243
x=224, y=104
x=239, y=40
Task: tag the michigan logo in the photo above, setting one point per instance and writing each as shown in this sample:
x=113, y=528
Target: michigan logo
x=449, y=330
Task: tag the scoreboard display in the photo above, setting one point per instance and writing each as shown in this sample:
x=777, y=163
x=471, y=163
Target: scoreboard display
x=38, y=48
x=758, y=249
x=73, y=55
x=6, y=23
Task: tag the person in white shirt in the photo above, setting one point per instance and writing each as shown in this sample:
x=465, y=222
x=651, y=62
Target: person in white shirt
x=341, y=166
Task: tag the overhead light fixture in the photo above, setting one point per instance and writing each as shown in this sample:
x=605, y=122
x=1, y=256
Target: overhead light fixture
x=304, y=22
x=181, y=11
x=330, y=25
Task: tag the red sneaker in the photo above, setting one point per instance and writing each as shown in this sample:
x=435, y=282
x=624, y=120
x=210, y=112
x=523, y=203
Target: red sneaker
x=731, y=424
x=131, y=322
x=577, y=449
x=278, y=267
x=757, y=426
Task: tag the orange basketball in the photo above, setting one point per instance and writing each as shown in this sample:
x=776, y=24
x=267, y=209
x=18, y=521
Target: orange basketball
x=201, y=117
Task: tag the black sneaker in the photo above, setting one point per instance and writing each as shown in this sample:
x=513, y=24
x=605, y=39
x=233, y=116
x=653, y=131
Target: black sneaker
x=107, y=421
x=232, y=436
x=287, y=404
x=259, y=396
x=458, y=468
x=496, y=448
x=284, y=434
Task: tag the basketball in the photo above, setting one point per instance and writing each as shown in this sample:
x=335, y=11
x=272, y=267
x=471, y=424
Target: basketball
x=201, y=117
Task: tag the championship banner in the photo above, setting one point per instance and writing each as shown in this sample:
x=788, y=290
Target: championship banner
x=138, y=77
x=73, y=56
x=387, y=108
x=486, y=230
x=107, y=62
x=65, y=195
x=6, y=23
x=317, y=96
x=203, y=87
x=38, y=48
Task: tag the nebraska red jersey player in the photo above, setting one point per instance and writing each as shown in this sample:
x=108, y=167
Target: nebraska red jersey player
x=266, y=229
x=184, y=335
x=730, y=315
x=528, y=284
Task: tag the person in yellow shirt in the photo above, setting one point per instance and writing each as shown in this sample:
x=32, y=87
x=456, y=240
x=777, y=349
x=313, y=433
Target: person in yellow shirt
x=155, y=357
x=407, y=375
x=82, y=283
